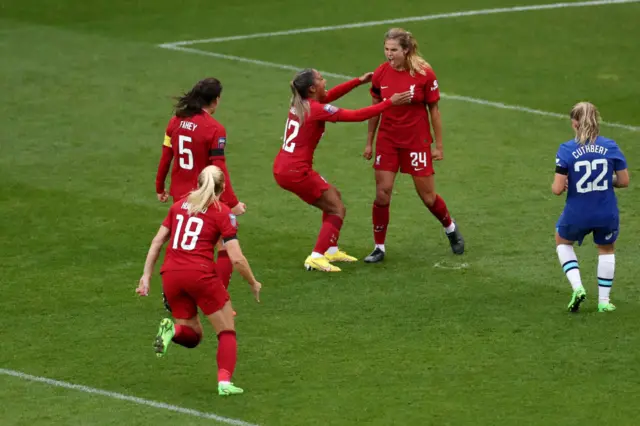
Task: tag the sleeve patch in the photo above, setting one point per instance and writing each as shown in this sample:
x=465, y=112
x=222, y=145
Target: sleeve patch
x=222, y=141
x=232, y=218
x=330, y=109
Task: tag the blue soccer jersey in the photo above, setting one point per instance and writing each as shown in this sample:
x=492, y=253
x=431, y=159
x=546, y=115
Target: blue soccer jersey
x=591, y=202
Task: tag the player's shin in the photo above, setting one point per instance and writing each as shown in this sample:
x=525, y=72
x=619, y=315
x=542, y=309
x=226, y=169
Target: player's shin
x=569, y=263
x=606, y=269
x=328, y=236
x=227, y=355
x=186, y=336
x=380, y=218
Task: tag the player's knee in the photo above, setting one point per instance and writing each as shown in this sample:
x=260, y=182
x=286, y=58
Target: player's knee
x=193, y=343
x=383, y=196
x=428, y=198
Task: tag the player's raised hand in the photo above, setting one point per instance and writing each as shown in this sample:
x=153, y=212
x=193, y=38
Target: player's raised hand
x=365, y=78
x=239, y=209
x=368, y=152
x=255, y=289
x=143, y=286
x=401, y=98
x=163, y=197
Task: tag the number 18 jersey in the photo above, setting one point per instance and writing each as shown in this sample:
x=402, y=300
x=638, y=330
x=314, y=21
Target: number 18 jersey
x=193, y=238
x=591, y=201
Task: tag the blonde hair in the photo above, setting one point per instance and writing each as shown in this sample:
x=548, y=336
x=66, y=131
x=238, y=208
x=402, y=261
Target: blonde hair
x=210, y=186
x=300, y=85
x=414, y=61
x=588, y=118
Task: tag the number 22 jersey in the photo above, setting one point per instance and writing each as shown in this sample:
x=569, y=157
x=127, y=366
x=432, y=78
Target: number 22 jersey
x=591, y=201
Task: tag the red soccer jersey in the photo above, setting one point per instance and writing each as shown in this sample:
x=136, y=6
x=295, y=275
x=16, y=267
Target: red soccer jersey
x=300, y=141
x=193, y=140
x=193, y=238
x=402, y=124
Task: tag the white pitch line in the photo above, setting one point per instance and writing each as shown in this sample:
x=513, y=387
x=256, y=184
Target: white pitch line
x=122, y=397
x=468, y=99
x=434, y=17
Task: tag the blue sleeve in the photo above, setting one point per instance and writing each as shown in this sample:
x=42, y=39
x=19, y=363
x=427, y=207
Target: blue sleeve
x=561, y=159
x=619, y=160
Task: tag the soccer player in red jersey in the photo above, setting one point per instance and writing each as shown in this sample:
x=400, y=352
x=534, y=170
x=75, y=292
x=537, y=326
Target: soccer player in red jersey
x=193, y=226
x=404, y=138
x=196, y=139
x=293, y=166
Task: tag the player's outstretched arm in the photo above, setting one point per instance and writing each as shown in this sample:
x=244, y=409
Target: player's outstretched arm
x=342, y=89
x=349, y=115
x=152, y=257
x=241, y=265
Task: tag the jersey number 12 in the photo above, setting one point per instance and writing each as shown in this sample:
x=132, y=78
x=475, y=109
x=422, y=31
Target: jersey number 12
x=288, y=144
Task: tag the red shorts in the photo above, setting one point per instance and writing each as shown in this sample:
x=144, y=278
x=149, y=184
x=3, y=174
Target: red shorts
x=306, y=184
x=186, y=291
x=414, y=159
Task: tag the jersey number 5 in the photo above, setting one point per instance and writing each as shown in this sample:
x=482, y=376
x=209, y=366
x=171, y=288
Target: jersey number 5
x=191, y=232
x=584, y=184
x=288, y=144
x=186, y=155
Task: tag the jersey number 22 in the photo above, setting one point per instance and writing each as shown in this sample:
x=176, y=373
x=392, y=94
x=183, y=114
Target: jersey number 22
x=586, y=183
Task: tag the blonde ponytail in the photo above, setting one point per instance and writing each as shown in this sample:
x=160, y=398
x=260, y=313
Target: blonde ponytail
x=210, y=186
x=299, y=105
x=415, y=62
x=588, y=118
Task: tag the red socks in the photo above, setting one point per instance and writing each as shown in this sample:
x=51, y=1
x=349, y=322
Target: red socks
x=186, y=336
x=380, y=223
x=329, y=233
x=227, y=355
x=440, y=211
x=224, y=267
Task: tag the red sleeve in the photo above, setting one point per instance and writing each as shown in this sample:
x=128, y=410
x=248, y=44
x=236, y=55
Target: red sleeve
x=375, y=84
x=228, y=196
x=163, y=168
x=340, y=90
x=431, y=90
x=361, y=114
x=227, y=224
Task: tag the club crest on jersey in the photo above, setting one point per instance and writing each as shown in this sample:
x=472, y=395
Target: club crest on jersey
x=232, y=218
x=222, y=141
x=330, y=109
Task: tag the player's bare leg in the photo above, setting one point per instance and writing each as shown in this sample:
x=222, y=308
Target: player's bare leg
x=185, y=332
x=426, y=189
x=569, y=263
x=606, y=270
x=334, y=212
x=223, y=324
x=380, y=214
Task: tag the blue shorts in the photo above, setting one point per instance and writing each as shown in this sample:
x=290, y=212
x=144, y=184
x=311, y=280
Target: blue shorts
x=602, y=235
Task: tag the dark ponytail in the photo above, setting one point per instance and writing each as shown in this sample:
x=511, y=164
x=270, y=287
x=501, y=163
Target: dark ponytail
x=300, y=85
x=202, y=94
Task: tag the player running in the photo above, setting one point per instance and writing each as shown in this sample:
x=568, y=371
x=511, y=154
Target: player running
x=196, y=140
x=293, y=166
x=193, y=226
x=404, y=138
x=588, y=167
